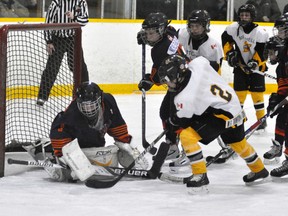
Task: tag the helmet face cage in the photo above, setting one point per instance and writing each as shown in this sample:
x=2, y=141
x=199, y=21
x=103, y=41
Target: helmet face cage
x=249, y=8
x=172, y=69
x=280, y=29
x=154, y=22
x=201, y=17
x=89, y=100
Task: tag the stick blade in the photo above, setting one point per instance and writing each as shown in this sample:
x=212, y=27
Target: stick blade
x=152, y=151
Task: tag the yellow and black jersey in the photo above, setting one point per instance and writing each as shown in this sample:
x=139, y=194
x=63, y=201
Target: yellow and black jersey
x=249, y=43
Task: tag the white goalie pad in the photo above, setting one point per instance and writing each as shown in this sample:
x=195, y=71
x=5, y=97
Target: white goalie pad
x=102, y=156
x=77, y=160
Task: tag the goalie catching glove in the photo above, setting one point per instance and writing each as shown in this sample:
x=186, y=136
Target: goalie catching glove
x=127, y=154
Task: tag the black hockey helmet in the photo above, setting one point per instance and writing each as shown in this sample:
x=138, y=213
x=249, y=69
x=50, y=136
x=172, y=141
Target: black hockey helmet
x=280, y=29
x=246, y=8
x=172, y=68
x=155, y=21
x=89, y=99
x=203, y=18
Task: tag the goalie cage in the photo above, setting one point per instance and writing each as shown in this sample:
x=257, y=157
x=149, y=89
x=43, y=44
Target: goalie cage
x=23, y=58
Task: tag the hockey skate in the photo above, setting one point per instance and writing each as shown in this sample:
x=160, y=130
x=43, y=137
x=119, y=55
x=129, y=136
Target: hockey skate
x=198, y=184
x=281, y=171
x=256, y=178
x=273, y=155
x=182, y=164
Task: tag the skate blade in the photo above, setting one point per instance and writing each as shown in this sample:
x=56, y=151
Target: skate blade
x=273, y=161
x=258, y=182
x=280, y=179
x=198, y=190
x=260, y=131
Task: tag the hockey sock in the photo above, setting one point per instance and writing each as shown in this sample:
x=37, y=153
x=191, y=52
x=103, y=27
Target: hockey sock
x=189, y=139
x=258, y=100
x=247, y=152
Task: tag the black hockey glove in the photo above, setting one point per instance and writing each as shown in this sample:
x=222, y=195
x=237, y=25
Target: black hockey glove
x=232, y=58
x=145, y=83
x=274, y=100
x=252, y=64
x=140, y=35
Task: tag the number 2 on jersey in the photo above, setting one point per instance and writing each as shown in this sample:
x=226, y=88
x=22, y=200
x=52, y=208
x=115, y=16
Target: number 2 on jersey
x=216, y=90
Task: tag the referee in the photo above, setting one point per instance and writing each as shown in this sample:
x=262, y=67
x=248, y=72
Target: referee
x=62, y=41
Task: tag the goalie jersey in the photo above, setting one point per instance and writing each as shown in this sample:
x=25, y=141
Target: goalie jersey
x=72, y=124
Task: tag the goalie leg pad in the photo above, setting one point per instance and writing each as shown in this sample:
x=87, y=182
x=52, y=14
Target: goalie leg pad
x=102, y=156
x=77, y=160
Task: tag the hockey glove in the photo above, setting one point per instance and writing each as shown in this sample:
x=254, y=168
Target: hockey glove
x=145, y=83
x=140, y=36
x=232, y=58
x=127, y=154
x=274, y=100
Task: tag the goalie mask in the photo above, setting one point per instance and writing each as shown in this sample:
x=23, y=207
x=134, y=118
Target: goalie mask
x=198, y=24
x=172, y=71
x=243, y=19
x=154, y=28
x=89, y=102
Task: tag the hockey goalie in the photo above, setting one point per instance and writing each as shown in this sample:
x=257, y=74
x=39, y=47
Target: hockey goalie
x=77, y=138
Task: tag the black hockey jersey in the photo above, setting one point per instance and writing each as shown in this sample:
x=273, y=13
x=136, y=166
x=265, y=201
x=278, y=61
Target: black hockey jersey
x=72, y=124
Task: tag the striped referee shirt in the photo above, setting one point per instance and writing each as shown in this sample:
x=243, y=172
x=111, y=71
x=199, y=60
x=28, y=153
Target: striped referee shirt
x=56, y=14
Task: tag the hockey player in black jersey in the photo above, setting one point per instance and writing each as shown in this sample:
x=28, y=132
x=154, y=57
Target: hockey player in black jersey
x=157, y=32
x=89, y=117
x=205, y=106
x=278, y=53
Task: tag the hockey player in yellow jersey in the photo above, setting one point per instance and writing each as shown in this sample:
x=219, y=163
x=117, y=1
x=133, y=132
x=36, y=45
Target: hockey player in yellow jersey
x=202, y=108
x=243, y=45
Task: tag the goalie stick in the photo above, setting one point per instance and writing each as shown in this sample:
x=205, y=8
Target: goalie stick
x=99, y=169
x=110, y=181
x=145, y=144
x=183, y=180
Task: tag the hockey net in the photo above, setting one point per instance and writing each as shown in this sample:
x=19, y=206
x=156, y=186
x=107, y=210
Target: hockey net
x=23, y=58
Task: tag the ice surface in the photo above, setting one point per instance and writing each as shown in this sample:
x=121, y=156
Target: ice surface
x=29, y=192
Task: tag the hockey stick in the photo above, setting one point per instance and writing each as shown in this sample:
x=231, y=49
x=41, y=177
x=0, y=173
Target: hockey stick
x=34, y=163
x=264, y=74
x=99, y=169
x=145, y=144
x=250, y=70
x=183, y=180
x=110, y=181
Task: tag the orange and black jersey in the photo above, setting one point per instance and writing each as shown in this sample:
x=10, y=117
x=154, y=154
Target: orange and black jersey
x=169, y=45
x=282, y=71
x=72, y=124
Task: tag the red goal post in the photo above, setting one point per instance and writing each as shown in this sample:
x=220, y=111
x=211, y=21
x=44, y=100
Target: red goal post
x=23, y=58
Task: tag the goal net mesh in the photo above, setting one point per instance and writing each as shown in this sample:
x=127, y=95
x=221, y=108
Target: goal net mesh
x=23, y=60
